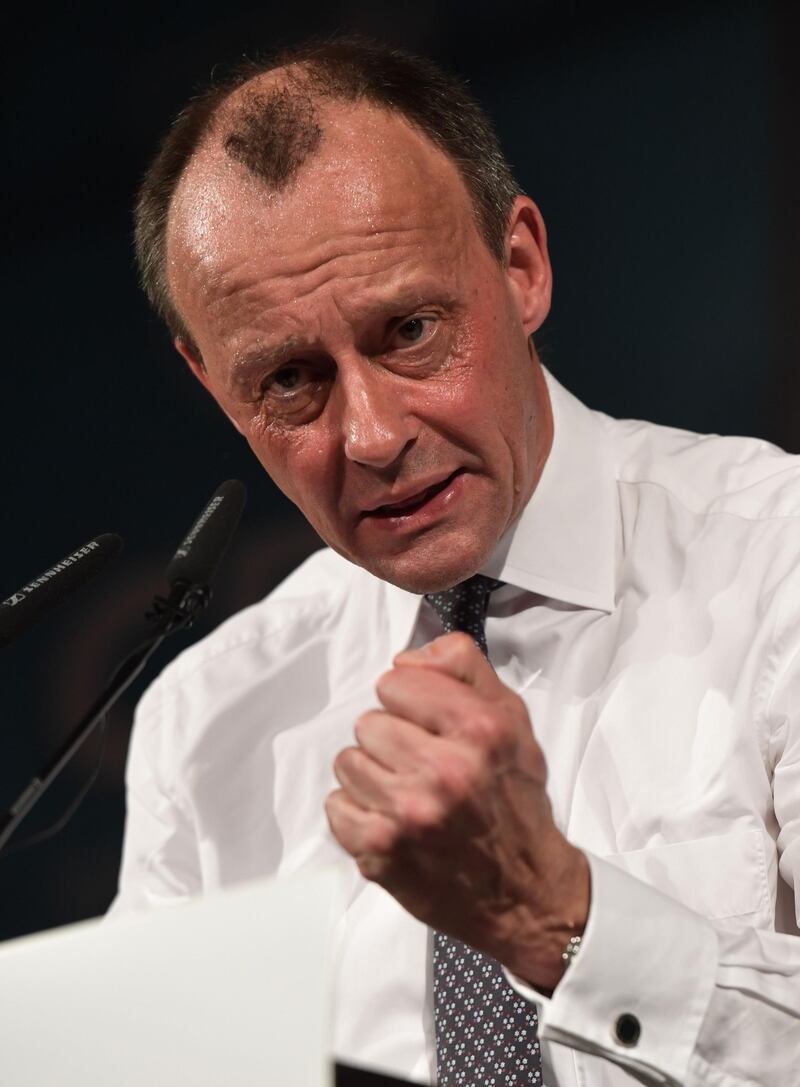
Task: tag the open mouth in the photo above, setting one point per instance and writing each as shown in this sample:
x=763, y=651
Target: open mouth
x=416, y=501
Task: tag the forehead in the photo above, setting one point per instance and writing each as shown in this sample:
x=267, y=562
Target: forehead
x=373, y=175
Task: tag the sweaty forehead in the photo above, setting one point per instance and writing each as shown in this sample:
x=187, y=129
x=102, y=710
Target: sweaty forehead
x=371, y=173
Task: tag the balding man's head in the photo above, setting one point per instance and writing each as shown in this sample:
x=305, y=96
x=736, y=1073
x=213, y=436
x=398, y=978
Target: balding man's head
x=270, y=119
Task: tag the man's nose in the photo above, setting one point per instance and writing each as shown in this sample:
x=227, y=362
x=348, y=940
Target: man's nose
x=376, y=424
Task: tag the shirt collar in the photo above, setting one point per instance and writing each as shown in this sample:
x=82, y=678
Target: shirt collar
x=563, y=545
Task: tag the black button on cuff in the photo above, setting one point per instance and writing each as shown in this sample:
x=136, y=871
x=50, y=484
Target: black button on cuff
x=627, y=1029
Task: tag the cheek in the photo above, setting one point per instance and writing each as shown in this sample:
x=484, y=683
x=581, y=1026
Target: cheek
x=301, y=464
x=473, y=400
x=299, y=460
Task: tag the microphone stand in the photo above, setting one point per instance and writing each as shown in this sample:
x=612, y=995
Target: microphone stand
x=175, y=612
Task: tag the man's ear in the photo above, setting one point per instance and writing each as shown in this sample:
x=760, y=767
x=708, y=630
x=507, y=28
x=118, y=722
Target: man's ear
x=195, y=363
x=528, y=268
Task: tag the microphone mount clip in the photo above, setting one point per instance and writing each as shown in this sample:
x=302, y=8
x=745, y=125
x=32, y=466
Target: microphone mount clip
x=181, y=608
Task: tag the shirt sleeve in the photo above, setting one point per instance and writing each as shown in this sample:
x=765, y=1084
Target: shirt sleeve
x=659, y=989
x=160, y=864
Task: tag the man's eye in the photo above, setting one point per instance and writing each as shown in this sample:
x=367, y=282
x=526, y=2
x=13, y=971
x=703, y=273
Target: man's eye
x=287, y=378
x=295, y=391
x=414, y=330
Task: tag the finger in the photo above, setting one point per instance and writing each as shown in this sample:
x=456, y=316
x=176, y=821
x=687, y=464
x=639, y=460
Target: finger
x=426, y=697
x=396, y=743
x=447, y=707
x=365, y=781
x=357, y=831
x=456, y=655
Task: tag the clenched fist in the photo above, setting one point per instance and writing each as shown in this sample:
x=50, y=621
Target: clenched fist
x=443, y=803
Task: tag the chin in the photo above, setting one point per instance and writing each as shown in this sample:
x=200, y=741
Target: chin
x=418, y=571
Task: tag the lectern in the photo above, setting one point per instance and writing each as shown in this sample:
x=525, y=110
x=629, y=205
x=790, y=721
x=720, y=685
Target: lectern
x=231, y=990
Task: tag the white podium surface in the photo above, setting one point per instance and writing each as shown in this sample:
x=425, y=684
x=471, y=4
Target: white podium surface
x=232, y=990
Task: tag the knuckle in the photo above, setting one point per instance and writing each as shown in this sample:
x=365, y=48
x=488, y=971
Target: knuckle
x=380, y=838
x=383, y=684
x=493, y=728
x=333, y=813
x=417, y=813
x=371, y=867
x=457, y=778
x=333, y=800
x=340, y=763
x=348, y=758
x=365, y=724
x=482, y=725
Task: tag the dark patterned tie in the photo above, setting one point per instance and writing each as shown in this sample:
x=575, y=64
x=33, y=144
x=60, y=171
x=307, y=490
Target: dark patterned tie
x=485, y=1031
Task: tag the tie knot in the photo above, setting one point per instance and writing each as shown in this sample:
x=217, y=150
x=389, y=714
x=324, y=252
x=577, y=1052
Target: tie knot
x=464, y=606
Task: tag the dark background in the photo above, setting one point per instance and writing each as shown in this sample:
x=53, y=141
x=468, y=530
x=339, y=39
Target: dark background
x=660, y=142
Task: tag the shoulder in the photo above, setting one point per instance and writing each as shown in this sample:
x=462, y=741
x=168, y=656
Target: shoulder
x=712, y=524
x=709, y=474
x=308, y=608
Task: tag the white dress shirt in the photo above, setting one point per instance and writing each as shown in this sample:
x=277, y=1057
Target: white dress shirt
x=651, y=623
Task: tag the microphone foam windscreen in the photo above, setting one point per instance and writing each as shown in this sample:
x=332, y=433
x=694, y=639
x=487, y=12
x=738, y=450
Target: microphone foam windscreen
x=198, y=557
x=53, y=585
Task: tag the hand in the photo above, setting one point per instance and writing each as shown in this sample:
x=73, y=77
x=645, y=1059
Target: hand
x=443, y=803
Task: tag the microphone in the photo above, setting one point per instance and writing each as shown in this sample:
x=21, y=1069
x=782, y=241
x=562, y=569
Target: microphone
x=189, y=574
x=196, y=560
x=22, y=609
x=194, y=564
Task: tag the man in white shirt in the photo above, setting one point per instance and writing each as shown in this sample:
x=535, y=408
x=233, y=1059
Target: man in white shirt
x=349, y=269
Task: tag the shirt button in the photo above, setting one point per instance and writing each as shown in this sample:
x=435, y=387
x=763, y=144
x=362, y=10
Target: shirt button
x=627, y=1029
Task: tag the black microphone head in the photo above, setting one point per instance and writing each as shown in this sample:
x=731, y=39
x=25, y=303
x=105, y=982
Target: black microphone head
x=46, y=591
x=196, y=560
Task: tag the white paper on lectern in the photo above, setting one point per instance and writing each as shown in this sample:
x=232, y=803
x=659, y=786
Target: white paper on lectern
x=229, y=990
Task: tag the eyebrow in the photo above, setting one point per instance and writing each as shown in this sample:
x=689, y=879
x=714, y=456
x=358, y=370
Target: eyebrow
x=261, y=358
x=398, y=301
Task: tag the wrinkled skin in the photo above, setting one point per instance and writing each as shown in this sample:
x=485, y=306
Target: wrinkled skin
x=357, y=331
x=443, y=803
x=362, y=337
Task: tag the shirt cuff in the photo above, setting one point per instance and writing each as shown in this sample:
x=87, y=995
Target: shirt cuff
x=637, y=991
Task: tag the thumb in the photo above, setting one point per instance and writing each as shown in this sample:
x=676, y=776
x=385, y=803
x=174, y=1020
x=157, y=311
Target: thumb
x=455, y=655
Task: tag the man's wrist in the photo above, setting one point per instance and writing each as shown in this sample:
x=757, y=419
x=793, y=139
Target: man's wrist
x=538, y=955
